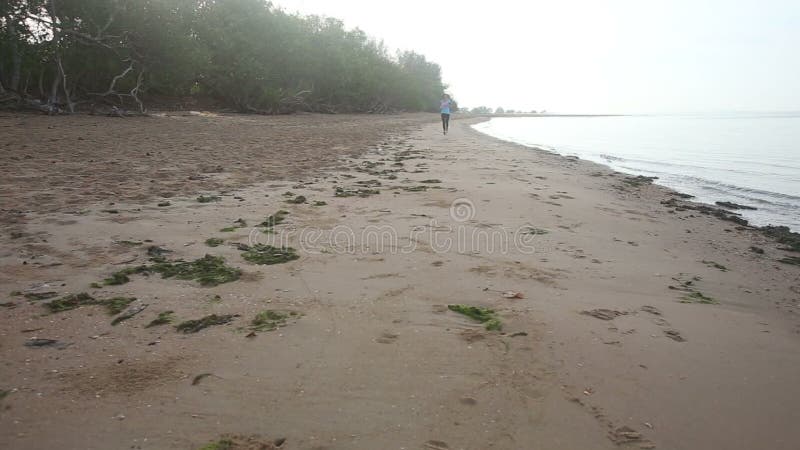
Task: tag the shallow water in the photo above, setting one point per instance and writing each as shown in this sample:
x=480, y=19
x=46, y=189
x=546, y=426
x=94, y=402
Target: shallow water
x=750, y=159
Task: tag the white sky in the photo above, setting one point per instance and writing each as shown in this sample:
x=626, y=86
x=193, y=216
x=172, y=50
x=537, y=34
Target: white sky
x=595, y=56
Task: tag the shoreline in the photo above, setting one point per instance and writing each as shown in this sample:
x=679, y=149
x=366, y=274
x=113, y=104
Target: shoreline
x=628, y=321
x=718, y=205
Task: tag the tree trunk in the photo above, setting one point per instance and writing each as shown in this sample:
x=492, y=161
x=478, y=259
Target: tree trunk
x=41, y=83
x=16, y=57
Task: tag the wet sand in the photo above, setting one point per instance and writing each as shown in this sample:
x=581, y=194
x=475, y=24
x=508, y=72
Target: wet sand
x=640, y=325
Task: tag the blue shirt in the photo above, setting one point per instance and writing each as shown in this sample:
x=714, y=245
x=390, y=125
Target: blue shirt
x=445, y=106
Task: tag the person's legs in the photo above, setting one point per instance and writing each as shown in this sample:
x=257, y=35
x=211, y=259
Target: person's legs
x=444, y=122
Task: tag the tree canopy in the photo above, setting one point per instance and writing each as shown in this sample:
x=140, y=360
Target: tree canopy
x=247, y=55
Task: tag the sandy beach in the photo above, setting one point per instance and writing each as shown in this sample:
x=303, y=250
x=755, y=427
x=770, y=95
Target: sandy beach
x=621, y=317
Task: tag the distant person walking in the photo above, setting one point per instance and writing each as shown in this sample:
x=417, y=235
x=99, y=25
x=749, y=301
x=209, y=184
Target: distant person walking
x=444, y=107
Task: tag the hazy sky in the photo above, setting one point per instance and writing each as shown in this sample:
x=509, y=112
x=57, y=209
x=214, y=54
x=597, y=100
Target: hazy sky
x=614, y=56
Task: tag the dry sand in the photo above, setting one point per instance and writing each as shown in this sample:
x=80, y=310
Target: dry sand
x=373, y=358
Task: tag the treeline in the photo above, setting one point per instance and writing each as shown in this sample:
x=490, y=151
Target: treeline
x=246, y=55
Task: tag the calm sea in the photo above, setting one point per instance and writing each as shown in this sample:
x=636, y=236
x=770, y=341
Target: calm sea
x=750, y=159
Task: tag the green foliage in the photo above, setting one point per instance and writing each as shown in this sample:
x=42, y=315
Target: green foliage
x=246, y=54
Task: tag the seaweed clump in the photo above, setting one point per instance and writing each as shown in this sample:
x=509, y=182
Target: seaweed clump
x=163, y=318
x=208, y=271
x=267, y=254
x=354, y=192
x=269, y=320
x=534, y=231
x=784, y=236
x=69, y=302
x=193, y=326
x=698, y=297
x=483, y=315
x=227, y=442
x=238, y=223
x=715, y=265
x=208, y=198
x=214, y=242
x=639, y=180
x=113, y=305
x=35, y=296
x=117, y=304
x=275, y=219
x=300, y=199
x=793, y=260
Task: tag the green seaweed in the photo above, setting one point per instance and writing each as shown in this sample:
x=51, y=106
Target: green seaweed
x=414, y=188
x=208, y=270
x=535, y=231
x=193, y=326
x=164, y=204
x=163, y=318
x=698, y=297
x=129, y=243
x=214, y=242
x=116, y=305
x=238, y=223
x=783, y=235
x=319, y=203
x=792, y=260
x=95, y=285
x=208, y=198
x=267, y=254
x=268, y=320
x=715, y=265
x=354, y=192
x=222, y=444
x=121, y=276
x=156, y=252
x=275, y=219
x=482, y=315
x=430, y=181
x=300, y=199
x=69, y=302
x=36, y=296
x=639, y=180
